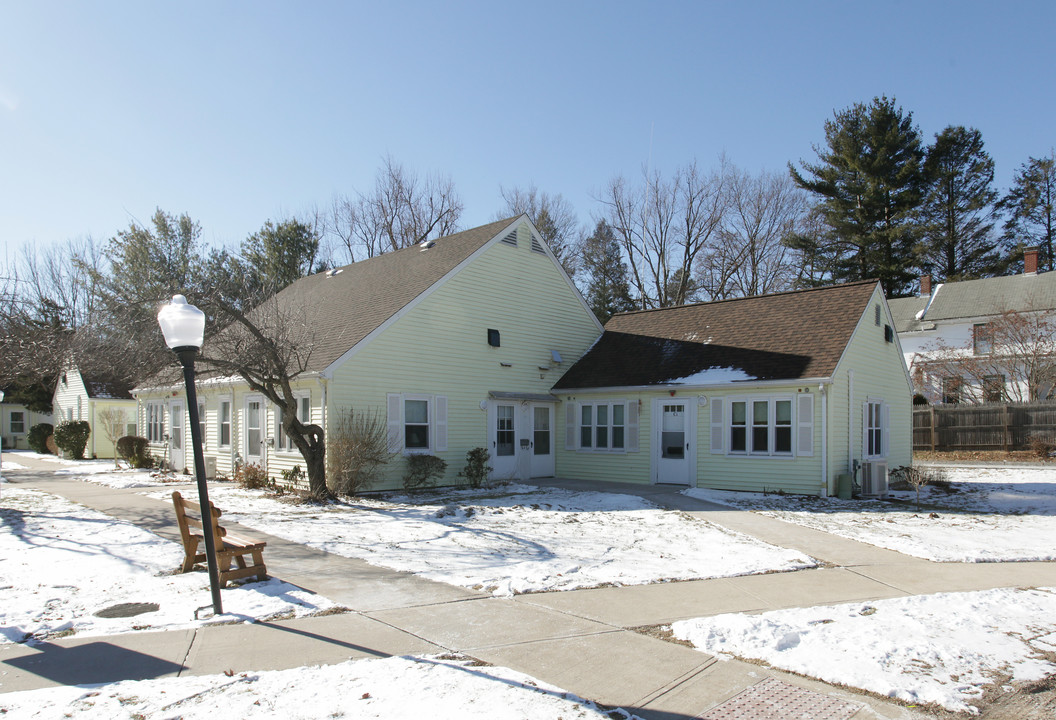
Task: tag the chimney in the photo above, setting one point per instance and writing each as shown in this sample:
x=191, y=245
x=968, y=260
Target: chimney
x=1030, y=261
x=925, y=285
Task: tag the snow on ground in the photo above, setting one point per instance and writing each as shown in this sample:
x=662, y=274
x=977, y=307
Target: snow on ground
x=940, y=649
x=991, y=515
x=516, y=539
x=397, y=687
x=62, y=562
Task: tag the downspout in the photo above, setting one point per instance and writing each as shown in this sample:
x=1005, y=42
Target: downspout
x=824, y=440
x=850, y=422
x=233, y=444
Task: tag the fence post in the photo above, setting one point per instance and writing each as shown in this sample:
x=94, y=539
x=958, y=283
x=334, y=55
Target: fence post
x=932, y=428
x=1007, y=429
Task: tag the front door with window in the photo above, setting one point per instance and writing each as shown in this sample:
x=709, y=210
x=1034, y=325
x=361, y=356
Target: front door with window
x=176, y=444
x=502, y=435
x=254, y=434
x=674, y=452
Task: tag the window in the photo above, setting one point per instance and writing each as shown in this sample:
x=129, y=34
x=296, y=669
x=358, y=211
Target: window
x=951, y=390
x=224, y=421
x=761, y=426
x=155, y=422
x=982, y=339
x=17, y=424
x=417, y=423
x=602, y=426
x=874, y=429
x=504, y=444
x=994, y=388
x=304, y=414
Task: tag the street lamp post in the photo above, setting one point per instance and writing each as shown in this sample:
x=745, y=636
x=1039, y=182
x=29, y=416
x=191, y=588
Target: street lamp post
x=183, y=326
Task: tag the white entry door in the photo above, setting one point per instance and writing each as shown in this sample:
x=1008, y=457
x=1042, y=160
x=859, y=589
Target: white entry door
x=674, y=452
x=254, y=433
x=502, y=437
x=176, y=451
x=542, y=445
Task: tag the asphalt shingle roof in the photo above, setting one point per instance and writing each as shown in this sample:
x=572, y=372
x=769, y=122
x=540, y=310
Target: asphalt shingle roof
x=786, y=336
x=976, y=298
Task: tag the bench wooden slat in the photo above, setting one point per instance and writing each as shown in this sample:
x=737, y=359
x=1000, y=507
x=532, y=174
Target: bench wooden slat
x=230, y=550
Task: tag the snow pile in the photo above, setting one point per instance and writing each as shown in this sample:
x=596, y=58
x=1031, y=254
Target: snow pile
x=941, y=649
x=63, y=562
x=521, y=539
x=992, y=515
x=398, y=687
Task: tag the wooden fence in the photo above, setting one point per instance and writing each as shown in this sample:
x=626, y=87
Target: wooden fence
x=992, y=426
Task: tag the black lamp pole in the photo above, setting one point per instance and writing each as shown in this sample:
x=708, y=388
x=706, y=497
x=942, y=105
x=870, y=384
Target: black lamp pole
x=187, y=356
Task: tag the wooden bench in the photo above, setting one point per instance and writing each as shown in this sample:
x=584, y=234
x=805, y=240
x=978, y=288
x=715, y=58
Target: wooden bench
x=231, y=551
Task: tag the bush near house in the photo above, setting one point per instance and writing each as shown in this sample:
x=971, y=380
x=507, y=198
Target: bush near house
x=135, y=451
x=423, y=471
x=71, y=436
x=476, y=470
x=358, y=448
x=250, y=476
x=38, y=437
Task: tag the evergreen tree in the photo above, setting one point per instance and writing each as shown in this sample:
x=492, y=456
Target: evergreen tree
x=869, y=181
x=277, y=255
x=1030, y=208
x=608, y=290
x=957, y=216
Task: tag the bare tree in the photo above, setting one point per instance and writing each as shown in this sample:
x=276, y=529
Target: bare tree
x=749, y=256
x=112, y=421
x=1012, y=358
x=402, y=210
x=663, y=226
x=553, y=216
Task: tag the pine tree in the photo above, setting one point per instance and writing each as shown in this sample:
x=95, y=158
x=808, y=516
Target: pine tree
x=957, y=216
x=1031, y=208
x=869, y=181
x=608, y=290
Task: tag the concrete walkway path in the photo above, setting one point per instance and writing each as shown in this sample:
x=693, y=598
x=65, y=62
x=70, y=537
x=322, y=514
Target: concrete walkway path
x=588, y=642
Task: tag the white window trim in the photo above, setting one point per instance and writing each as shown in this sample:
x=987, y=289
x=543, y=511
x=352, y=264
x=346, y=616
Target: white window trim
x=220, y=421
x=288, y=448
x=437, y=424
x=157, y=408
x=771, y=425
x=628, y=426
x=11, y=422
x=883, y=428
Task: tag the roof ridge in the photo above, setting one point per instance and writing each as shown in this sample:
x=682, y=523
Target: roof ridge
x=750, y=297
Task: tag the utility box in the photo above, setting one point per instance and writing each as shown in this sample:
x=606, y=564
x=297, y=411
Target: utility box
x=844, y=486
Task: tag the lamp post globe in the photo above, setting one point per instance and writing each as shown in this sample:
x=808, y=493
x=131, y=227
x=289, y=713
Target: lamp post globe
x=183, y=326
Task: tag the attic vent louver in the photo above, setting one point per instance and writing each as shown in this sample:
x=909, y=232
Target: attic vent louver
x=537, y=246
x=511, y=238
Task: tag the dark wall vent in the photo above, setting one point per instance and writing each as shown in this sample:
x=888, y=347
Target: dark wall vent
x=493, y=337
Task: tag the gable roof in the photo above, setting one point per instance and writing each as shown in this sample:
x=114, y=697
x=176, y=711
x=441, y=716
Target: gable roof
x=786, y=336
x=975, y=298
x=106, y=389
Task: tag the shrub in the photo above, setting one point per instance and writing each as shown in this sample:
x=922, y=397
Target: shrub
x=71, y=436
x=38, y=437
x=476, y=470
x=252, y=477
x=50, y=444
x=358, y=447
x=915, y=477
x=1041, y=447
x=423, y=470
x=135, y=451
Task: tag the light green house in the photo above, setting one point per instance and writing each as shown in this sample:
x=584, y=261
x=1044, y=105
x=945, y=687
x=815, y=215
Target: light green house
x=781, y=392
x=480, y=339
x=105, y=404
x=454, y=343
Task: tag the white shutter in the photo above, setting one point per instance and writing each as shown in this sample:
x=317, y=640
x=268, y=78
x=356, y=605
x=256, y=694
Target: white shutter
x=865, y=430
x=570, y=426
x=716, y=426
x=884, y=444
x=395, y=422
x=440, y=413
x=805, y=425
x=631, y=432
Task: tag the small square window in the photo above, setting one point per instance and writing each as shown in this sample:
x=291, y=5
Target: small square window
x=493, y=337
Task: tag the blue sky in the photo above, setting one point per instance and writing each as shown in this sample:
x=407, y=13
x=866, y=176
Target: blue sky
x=240, y=112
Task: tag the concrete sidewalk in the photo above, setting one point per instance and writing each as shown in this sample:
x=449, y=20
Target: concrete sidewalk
x=582, y=641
